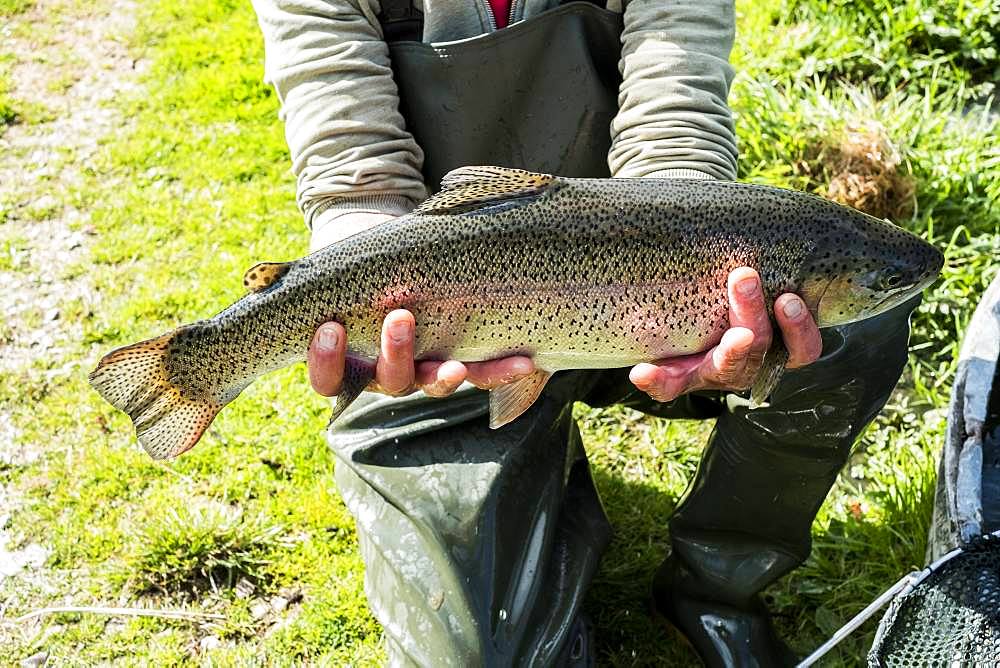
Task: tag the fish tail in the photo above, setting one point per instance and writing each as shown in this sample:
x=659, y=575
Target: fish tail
x=136, y=379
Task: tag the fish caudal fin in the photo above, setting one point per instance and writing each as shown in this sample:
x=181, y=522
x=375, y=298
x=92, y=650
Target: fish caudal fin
x=134, y=379
x=508, y=402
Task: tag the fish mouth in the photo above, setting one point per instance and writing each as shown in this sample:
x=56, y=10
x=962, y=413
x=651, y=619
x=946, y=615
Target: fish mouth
x=915, y=289
x=878, y=306
x=896, y=298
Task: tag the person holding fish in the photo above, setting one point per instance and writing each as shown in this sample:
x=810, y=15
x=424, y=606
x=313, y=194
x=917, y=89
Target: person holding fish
x=480, y=543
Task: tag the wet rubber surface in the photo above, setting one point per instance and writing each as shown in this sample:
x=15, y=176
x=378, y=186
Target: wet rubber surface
x=991, y=463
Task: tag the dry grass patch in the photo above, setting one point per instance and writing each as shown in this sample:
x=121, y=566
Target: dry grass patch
x=866, y=175
x=860, y=166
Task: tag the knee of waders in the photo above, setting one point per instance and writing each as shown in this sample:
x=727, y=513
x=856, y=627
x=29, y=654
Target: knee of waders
x=821, y=408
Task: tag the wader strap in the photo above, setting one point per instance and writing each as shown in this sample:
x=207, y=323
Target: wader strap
x=401, y=21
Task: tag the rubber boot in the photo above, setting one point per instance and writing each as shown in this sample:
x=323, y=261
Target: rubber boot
x=579, y=651
x=478, y=544
x=746, y=518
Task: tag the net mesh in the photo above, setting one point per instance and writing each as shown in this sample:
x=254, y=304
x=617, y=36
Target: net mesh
x=950, y=618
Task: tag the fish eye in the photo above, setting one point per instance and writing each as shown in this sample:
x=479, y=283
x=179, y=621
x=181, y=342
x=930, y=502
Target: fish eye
x=890, y=280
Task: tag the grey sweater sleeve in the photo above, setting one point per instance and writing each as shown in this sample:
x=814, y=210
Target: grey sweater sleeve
x=354, y=159
x=349, y=147
x=673, y=118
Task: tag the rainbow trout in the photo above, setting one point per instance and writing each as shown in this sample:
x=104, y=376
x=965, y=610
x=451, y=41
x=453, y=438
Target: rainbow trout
x=576, y=273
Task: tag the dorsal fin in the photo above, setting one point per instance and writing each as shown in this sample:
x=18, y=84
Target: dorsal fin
x=263, y=275
x=466, y=187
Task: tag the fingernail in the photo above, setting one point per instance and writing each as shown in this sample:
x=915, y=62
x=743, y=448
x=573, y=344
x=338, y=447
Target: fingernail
x=638, y=374
x=792, y=308
x=327, y=339
x=747, y=287
x=400, y=332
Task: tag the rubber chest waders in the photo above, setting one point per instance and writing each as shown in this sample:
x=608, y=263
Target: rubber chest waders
x=479, y=544
x=540, y=94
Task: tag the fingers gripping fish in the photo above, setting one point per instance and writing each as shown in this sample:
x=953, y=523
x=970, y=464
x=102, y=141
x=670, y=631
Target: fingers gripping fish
x=576, y=273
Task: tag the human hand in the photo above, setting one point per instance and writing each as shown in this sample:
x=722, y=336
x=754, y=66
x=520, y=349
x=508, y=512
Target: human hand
x=734, y=362
x=396, y=372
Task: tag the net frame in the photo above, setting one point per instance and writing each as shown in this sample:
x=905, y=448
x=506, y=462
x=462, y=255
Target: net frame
x=949, y=615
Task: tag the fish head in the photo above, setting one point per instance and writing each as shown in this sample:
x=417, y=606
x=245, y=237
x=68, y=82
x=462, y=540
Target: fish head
x=863, y=266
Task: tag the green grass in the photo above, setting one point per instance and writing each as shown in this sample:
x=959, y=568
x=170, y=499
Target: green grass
x=12, y=7
x=198, y=189
x=888, y=45
x=8, y=107
x=9, y=112
x=200, y=548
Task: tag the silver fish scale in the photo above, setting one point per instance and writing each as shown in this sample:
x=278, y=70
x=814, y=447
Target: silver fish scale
x=575, y=273
x=590, y=273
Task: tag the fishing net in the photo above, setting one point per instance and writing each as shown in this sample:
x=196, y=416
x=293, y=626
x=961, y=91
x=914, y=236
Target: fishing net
x=950, y=617
x=948, y=614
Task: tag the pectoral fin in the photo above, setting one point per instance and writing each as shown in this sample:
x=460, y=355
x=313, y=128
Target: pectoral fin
x=771, y=370
x=358, y=373
x=263, y=275
x=507, y=402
